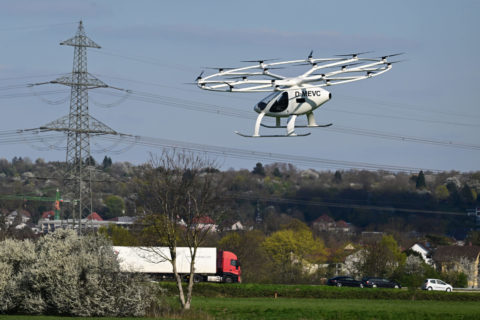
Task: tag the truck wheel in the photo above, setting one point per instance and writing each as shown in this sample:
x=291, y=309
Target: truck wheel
x=429, y=288
x=197, y=279
x=374, y=285
x=339, y=284
x=228, y=280
x=449, y=290
x=361, y=285
x=396, y=286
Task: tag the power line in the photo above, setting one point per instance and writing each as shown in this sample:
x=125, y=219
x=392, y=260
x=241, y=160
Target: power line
x=402, y=105
x=151, y=61
x=32, y=94
x=407, y=106
x=343, y=205
x=232, y=112
x=260, y=155
x=392, y=136
x=376, y=115
x=31, y=76
x=36, y=135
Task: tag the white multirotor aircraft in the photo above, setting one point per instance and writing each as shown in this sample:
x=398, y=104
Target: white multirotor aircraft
x=293, y=96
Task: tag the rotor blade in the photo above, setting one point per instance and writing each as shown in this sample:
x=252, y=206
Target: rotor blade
x=353, y=54
x=391, y=55
x=220, y=69
x=200, y=76
x=382, y=57
x=397, y=61
x=349, y=65
x=260, y=60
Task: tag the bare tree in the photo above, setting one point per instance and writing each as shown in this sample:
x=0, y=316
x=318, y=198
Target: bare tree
x=179, y=192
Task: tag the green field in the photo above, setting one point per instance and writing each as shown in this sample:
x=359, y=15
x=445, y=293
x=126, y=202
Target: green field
x=282, y=308
x=308, y=308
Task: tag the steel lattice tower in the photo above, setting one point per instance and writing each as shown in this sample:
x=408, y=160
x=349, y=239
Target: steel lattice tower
x=79, y=126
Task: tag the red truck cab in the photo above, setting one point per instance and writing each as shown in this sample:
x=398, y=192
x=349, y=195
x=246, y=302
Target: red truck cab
x=228, y=266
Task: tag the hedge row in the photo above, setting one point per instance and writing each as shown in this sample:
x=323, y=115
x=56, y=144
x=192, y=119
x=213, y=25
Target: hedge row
x=319, y=292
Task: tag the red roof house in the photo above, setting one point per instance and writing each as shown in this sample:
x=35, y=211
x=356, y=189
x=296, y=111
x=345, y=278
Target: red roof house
x=94, y=216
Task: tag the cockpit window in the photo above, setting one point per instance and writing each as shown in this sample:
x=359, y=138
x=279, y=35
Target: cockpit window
x=270, y=96
x=262, y=104
x=280, y=104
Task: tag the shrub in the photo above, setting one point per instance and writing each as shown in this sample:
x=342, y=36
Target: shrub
x=319, y=292
x=65, y=274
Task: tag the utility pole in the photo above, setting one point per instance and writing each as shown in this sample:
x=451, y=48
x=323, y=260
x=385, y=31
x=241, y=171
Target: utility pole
x=79, y=127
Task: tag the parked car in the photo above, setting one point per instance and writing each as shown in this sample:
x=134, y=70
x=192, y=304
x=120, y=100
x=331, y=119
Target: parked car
x=347, y=281
x=371, y=282
x=436, y=284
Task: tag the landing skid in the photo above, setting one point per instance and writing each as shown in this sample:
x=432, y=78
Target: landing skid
x=274, y=135
x=315, y=126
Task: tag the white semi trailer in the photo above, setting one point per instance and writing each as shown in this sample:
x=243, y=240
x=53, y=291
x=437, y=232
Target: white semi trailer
x=210, y=264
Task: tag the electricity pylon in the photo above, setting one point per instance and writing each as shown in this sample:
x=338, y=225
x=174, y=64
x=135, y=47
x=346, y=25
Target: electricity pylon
x=79, y=126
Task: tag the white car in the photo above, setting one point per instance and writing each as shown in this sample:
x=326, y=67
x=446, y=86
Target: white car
x=436, y=284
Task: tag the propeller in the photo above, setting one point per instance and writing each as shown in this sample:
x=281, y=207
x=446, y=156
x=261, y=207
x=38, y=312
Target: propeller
x=273, y=68
x=354, y=55
x=389, y=63
x=220, y=69
x=349, y=65
x=391, y=55
x=200, y=76
x=382, y=57
x=259, y=61
x=306, y=64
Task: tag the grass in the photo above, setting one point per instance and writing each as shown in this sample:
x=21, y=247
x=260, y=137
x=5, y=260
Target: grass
x=309, y=308
x=286, y=308
x=19, y=317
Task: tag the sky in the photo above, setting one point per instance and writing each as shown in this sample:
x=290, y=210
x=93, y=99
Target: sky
x=422, y=114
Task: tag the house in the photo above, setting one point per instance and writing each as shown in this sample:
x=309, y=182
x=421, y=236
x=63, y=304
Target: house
x=459, y=259
x=94, y=216
x=353, y=262
x=349, y=247
x=343, y=226
x=237, y=226
x=205, y=223
x=18, y=216
x=324, y=223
